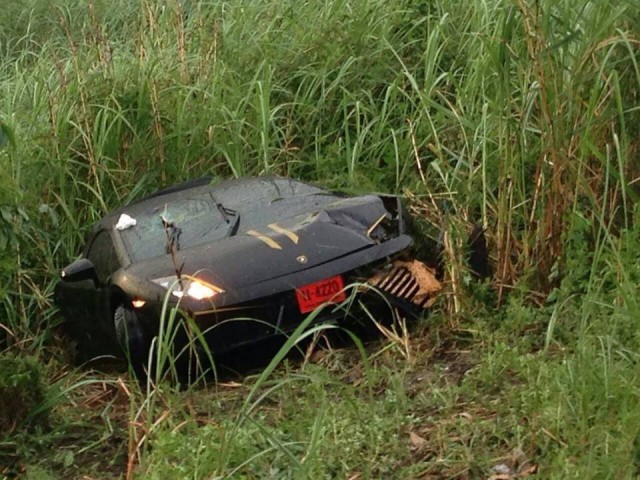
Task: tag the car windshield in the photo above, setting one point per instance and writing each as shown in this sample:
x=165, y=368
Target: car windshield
x=190, y=221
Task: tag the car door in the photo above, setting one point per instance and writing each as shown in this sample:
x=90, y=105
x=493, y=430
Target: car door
x=86, y=303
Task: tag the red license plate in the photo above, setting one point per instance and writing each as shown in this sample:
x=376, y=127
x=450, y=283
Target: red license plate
x=329, y=290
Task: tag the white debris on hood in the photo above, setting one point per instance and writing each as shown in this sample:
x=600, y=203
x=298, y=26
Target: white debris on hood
x=125, y=221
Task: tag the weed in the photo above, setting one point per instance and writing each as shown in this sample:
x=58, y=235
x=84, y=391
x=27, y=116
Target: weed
x=515, y=116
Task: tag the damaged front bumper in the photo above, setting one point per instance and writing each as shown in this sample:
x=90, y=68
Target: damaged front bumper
x=408, y=286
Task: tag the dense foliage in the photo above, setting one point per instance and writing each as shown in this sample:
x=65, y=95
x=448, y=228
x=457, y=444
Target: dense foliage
x=518, y=115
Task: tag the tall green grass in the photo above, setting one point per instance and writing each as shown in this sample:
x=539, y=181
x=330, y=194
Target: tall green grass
x=521, y=116
x=515, y=115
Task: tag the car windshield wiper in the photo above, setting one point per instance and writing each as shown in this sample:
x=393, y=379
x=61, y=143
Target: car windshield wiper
x=230, y=216
x=226, y=212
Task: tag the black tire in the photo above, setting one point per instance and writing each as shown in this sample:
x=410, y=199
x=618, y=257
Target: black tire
x=132, y=339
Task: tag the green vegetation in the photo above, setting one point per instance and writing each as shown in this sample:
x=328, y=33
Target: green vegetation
x=22, y=397
x=519, y=115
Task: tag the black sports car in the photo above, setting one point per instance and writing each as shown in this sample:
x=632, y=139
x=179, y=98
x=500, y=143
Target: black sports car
x=262, y=251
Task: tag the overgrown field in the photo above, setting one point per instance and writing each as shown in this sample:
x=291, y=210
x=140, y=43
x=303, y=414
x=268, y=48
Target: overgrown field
x=521, y=116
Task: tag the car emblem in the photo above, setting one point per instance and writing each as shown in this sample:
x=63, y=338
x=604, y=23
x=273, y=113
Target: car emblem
x=302, y=259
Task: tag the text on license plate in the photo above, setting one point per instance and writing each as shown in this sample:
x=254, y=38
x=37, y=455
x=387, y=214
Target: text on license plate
x=328, y=290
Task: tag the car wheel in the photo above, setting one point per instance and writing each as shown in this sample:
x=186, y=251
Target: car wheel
x=131, y=338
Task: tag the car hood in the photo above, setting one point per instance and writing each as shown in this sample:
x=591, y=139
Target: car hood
x=281, y=255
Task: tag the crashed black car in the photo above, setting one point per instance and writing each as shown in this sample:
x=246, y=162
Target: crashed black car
x=247, y=260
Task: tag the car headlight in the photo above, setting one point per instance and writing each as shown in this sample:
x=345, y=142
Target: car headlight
x=190, y=286
x=199, y=290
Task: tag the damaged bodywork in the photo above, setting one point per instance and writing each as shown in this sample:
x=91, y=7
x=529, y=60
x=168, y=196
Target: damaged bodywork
x=262, y=251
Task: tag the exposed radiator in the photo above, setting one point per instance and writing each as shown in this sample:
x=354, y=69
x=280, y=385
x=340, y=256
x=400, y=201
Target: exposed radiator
x=412, y=281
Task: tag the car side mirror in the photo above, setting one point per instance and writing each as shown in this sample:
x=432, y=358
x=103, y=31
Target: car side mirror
x=81, y=269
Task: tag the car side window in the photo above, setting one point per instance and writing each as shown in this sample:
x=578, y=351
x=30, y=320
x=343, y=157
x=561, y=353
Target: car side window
x=103, y=256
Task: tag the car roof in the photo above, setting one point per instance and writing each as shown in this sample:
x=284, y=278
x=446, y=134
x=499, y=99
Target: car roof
x=253, y=187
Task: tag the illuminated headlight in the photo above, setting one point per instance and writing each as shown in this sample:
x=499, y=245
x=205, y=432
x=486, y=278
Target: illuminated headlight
x=193, y=287
x=199, y=290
